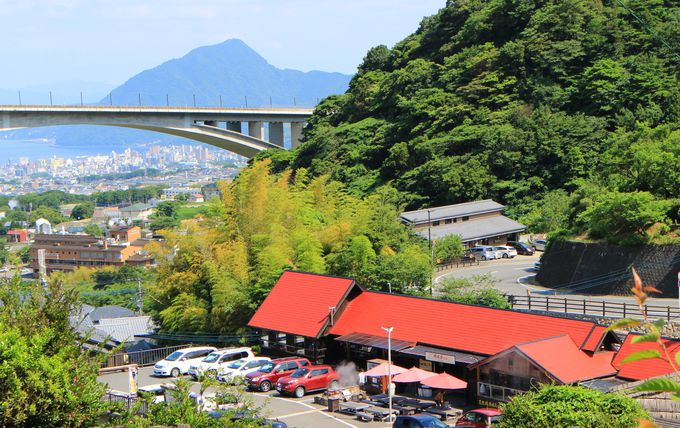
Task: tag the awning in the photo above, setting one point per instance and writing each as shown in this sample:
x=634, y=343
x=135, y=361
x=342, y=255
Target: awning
x=428, y=351
x=374, y=341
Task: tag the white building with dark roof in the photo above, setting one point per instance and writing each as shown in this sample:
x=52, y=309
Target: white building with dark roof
x=477, y=223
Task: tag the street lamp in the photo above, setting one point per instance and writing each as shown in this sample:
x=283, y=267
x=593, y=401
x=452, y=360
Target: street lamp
x=389, y=368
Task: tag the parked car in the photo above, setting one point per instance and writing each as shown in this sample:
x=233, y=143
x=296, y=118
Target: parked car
x=211, y=365
x=251, y=417
x=306, y=379
x=484, y=253
x=538, y=244
x=480, y=418
x=178, y=362
x=268, y=374
x=240, y=368
x=522, y=248
x=418, y=421
x=507, y=252
x=537, y=266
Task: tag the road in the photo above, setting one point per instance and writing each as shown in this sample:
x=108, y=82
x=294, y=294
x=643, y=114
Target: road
x=300, y=413
x=514, y=277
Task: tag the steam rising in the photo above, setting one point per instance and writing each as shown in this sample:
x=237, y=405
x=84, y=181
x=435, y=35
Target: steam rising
x=348, y=374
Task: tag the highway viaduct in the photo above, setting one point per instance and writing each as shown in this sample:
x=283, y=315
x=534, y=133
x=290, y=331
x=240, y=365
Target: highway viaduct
x=238, y=130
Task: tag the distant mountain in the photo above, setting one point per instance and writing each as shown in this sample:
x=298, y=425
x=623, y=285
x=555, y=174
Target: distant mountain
x=230, y=69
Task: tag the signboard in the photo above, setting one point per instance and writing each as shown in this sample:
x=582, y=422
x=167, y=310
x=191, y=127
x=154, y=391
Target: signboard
x=440, y=358
x=488, y=403
x=425, y=365
x=132, y=379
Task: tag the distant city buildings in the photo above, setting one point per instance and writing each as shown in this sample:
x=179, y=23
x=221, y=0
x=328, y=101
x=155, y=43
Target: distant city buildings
x=172, y=165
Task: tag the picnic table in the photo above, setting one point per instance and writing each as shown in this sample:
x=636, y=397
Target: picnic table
x=352, y=407
x=443, y=412
x=379, y=413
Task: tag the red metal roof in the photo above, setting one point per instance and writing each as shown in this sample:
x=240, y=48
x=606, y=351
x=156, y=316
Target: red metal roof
x=593, y=341
x=456, y=326
x=562, y=359
x=298, y=303
x=644, y=369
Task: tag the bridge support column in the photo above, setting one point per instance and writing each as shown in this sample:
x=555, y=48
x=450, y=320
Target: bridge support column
x=296, y=133
x=276, y=133
x=210, y=123
x=255, y=129
x=234, y=126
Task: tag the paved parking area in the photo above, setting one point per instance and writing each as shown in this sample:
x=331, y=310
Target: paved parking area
x=300, y=413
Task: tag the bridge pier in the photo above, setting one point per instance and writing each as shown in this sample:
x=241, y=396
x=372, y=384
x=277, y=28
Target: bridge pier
x=255, y=129
x=234, y=126
x=296, y=133
x=276, y=133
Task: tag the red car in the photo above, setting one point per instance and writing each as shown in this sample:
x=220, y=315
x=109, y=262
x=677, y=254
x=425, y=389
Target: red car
x=269, y=373
x=306, y=379
x=480, y=418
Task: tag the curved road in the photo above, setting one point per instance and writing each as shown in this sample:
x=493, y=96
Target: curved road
x=515, y=276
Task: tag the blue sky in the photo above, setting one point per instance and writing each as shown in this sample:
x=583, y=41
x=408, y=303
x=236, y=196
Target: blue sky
x=108, y=41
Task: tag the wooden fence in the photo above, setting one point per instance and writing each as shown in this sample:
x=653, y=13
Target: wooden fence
x=600, y=308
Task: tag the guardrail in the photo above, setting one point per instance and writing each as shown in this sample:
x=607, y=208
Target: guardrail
x=600, y=308
x=141, y=358
x=456, y=263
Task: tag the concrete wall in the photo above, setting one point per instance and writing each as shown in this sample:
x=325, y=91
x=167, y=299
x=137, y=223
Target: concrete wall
x=605, y=269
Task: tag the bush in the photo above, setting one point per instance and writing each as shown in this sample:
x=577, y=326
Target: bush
x=477, y=290
x=571, y=406
x=448, y=248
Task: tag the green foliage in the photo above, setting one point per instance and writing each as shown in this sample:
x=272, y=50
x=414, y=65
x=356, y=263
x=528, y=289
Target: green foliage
x=517, y=101
x=4, y=252
x=570, y=406
x=159, y=223
x=215, y=272
x=477, y=290
x=94, y=230
x=46, y=379
x=24, y=254
x=50, y=214
x=448, y=248
x=82, y=211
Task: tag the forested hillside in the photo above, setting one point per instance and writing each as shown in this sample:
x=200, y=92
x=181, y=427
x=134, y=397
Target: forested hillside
x=515, y=100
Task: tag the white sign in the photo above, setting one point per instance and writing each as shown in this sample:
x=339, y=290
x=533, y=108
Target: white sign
x=440, y=358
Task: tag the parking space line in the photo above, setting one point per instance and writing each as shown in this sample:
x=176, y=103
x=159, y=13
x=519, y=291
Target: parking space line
x=306, y=412
x=320, y=411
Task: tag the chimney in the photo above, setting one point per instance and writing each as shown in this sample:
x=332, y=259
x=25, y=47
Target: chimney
x=331, y=314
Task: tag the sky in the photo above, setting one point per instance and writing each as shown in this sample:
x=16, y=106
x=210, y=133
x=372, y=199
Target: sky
x=109, y=41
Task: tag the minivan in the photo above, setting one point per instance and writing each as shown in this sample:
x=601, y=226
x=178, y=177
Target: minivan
x=178, y=362
x=212, y=364
x=484, y=253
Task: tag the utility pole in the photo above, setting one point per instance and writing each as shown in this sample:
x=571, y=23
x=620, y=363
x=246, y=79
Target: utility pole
x=19, y=97
x=429, y=240
x=81, y=98
x=139, y=295
x=389, y=368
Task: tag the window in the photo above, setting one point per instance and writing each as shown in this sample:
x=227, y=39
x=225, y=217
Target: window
x=466, y=218
x=448, y=221
x=435, y=223
x=304, y=363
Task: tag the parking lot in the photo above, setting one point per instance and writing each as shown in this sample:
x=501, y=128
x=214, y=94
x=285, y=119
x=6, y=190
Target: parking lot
x=301, y=413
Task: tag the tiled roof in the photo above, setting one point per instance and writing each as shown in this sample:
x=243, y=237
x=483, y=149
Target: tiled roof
x=594, y=339
x=644, y=369
x=299, y=303
x=449, y=211
x=111, y=311
x=468, y=328
x=563, y=360
x=475, y=228
x=125, y=329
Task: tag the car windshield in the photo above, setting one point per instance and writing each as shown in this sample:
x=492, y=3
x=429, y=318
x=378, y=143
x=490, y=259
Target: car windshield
x=211, y=358
x=434, y=423
x=300, y=373
x=523, y=245
x=252, y=364
x=236, y=364
x=267, y=368
x=174, y=356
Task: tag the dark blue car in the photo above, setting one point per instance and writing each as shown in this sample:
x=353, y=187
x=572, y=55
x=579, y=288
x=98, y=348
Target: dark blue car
x=418, y=421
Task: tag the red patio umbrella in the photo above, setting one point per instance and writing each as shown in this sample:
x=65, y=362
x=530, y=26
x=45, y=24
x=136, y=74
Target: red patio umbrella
x=414, y=374
x=444, y=381
x=381, y=370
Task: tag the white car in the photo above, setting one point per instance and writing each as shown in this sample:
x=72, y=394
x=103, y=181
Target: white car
x=507, y=252
x=240, y=368
x=213, y=363
x=178, y=362
x=485, y=253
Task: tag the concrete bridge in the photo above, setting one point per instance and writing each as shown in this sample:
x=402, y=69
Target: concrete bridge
x=239, y=130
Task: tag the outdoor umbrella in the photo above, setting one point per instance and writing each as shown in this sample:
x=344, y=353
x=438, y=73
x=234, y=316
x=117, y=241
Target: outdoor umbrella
x=444, y=381
x=381, y=370
x=414, y=374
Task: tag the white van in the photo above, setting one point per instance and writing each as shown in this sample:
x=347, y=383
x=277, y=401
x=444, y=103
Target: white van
x=178, y=362
x=213, y=363
x=240, y=368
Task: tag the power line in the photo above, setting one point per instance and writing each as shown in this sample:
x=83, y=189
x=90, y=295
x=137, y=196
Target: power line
x=648, y=28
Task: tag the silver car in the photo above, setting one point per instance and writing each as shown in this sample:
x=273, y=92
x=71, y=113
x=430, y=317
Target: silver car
x=485, y=253
x=538, y=244
x=506, y=251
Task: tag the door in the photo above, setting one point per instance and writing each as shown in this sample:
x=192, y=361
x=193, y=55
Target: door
x=317, y=379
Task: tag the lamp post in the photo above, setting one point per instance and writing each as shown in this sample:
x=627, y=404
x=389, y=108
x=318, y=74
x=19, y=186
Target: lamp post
x=389, y=368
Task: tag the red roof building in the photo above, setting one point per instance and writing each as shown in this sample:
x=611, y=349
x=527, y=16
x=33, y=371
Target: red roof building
x=300, y=303
x=644, y=369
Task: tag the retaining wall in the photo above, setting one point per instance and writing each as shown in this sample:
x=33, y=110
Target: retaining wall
x=603, y=269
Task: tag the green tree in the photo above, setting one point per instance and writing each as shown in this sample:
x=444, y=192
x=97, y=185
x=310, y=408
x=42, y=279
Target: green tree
x=448, y=248
x=94, y=230
x=570, y=406
x=477, y=290
x=4, y=252
x=166, y=209
x=24, y=254
x=42, y=363
x=82, y=211
x=50, y=214
x=159, y=223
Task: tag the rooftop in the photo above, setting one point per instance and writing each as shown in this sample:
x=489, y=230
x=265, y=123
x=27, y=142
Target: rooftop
x=449, y=211
x=644, y=369
x=475, y=228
